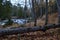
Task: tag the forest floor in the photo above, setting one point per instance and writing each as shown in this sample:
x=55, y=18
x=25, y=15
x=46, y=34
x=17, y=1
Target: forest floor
x=52, y=19
x=51, y=34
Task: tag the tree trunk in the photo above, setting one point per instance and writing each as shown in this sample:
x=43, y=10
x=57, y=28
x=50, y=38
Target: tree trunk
x=46, y=21
x=58, y=4
x=12, y=31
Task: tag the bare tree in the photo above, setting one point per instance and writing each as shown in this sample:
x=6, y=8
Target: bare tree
x=46, y=21
x=58, y=4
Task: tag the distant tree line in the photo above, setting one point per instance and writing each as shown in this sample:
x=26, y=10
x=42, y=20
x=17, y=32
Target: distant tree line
x=7, y=10
x=40, y=8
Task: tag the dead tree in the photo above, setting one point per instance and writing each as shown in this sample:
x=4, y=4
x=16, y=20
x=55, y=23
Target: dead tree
x=14, y=31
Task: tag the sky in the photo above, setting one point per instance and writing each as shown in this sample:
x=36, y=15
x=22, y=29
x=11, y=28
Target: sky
x=22, y=2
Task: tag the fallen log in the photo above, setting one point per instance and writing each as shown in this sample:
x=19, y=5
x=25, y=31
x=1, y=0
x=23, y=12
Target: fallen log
x=20, y=30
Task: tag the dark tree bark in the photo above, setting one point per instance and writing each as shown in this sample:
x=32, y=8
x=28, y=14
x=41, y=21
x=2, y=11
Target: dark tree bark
x=46, y=21
x=58, y=5
x=33, y=9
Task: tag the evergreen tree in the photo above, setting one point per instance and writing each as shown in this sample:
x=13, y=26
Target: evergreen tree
x=1, y=1
x=5, y=10
x=20, y=11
